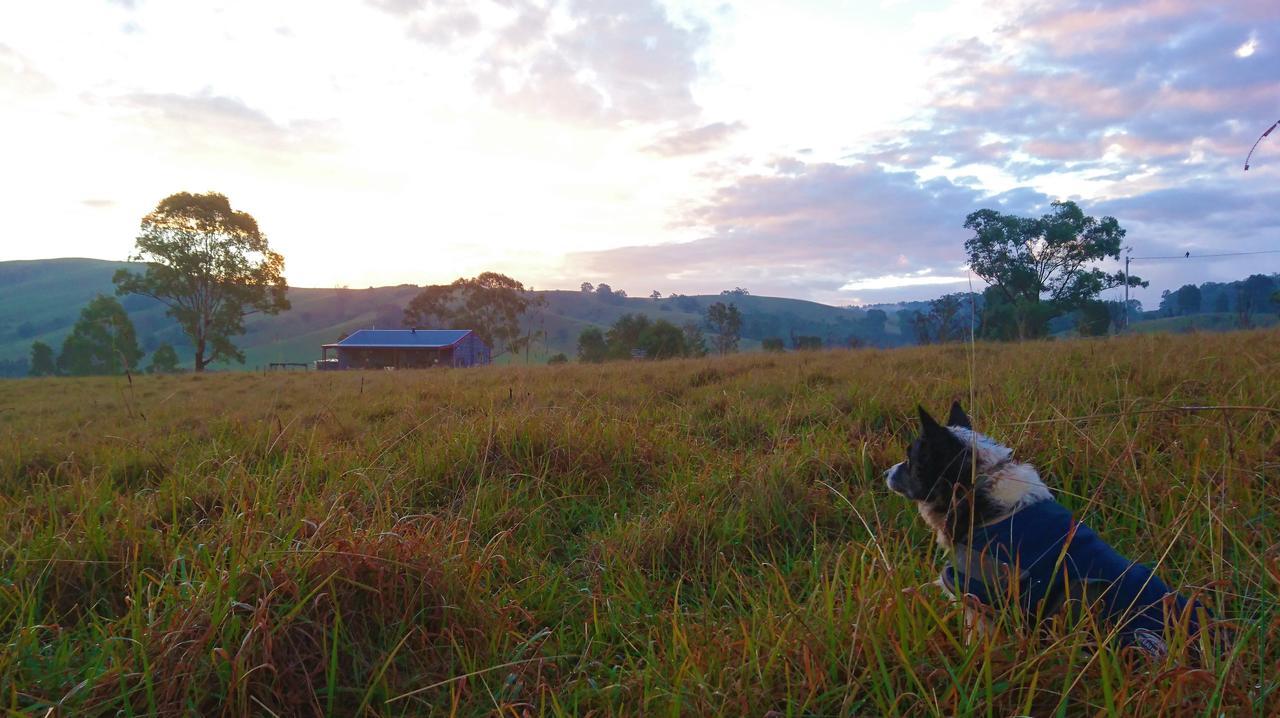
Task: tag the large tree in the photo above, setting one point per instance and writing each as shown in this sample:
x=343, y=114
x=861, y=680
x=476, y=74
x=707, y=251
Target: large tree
x=726, y=322
x=164, y=360
x=627, y=334
x=103, y=341
x=211, y=266
x=1190, y=299
x=592, y=347
x=1093, y=318
x=490, y=305
x=42, y=361
x=1253, y=295
x=1043, y=266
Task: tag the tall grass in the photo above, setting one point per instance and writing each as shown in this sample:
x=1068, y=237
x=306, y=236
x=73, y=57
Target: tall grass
x=678, y=538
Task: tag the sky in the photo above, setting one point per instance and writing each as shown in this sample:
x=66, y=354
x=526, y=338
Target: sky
x=821, y=150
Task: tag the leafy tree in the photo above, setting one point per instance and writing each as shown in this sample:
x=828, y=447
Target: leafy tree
x=726, y=322
x=610, y=295
x=1122, y=318
x=735, y=292
x=773, y=344
x=1222, y=304
x=102, y=341
x=807, y=343
x=949, y=316
x=1094, y=319
x=918, y=323
x=587, y=288
x=948, y=319
x=592, y=347
x=663, y=340
x=1253, y=295
x=874, y=321
x=559, y=358
x=42, y=362
x=686, y=303
x=1040, y=266
x=655, y=295
x=490, y=305
x=164, y=360
x=211, y=266
x=1189, y=299
x=636, y=332
x=695, y=342
x=627, y=334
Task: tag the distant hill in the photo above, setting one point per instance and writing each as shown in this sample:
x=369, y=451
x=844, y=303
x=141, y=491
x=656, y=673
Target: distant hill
x=40, y=300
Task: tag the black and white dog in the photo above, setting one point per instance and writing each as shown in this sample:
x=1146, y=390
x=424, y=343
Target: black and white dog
x=1010, y=540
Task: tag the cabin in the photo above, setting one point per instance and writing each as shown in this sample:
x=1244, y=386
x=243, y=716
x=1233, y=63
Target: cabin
x=407, y=349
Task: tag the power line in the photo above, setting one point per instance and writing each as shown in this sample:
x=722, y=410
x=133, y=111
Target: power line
x=1186, y=255
x=1207, y=256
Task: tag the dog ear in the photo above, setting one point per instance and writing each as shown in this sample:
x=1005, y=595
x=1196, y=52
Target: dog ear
x=928, y=425
x=939, y=448
x=958, y=417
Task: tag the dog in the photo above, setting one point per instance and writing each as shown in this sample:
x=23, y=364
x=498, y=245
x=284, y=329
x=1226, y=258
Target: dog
x=1010, y=540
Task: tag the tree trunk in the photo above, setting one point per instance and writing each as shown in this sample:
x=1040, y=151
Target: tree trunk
x=200, y=362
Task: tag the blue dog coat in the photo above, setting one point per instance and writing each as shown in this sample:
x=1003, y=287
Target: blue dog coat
x=1054, y=556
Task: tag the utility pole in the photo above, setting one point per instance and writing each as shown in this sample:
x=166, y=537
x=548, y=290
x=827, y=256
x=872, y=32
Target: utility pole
x=1125, y=313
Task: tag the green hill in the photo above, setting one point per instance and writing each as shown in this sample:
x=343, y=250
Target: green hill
x=42, y=298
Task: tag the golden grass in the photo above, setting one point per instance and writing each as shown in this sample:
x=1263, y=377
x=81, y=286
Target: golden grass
x=689, y=537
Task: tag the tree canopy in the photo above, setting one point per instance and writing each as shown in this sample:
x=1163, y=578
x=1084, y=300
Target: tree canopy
x=211, y=266
x=949, y=319
x=42, y=361
x=490, y=305
x=103, y=341
x=726, y=322
x=1042, y=266
x=638, y=333
x=592, y=347
x=164, y=360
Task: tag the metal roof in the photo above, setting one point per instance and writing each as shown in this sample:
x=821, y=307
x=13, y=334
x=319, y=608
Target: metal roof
x=403, y=338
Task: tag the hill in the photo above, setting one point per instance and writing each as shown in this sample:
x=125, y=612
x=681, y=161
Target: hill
x=42, y=298
x=698, y=537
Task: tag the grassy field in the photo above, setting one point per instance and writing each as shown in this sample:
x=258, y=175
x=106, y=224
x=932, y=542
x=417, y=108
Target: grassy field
x=704, y=537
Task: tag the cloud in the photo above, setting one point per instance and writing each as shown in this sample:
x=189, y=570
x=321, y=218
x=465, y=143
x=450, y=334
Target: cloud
x=444, y=25
x=1141, y=109
x=694, y=141
x=591, y=62
x=224, y=127
x=1133, y=85
x=896, y=281
x=98, y=203
x=816, y=230
x=18, y=78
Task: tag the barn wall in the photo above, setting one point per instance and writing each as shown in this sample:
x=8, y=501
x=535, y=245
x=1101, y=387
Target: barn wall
x=471, y=351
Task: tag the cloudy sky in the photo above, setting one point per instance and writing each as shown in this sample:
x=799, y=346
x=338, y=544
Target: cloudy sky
x=822, y=150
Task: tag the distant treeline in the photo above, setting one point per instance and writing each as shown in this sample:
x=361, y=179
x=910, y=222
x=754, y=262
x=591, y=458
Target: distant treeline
x=952, y=317
x=1256, y=294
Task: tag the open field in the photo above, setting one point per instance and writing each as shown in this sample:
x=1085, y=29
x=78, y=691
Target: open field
x=680, y=538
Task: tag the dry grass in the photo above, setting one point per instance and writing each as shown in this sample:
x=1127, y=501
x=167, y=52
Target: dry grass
x=694, y=537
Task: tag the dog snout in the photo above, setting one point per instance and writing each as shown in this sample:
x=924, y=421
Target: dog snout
x=891, y=476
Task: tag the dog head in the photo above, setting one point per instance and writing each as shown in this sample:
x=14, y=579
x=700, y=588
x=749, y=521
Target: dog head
x=959, y=478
